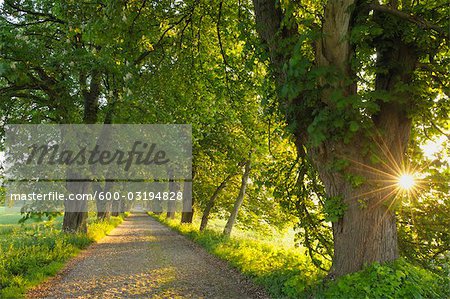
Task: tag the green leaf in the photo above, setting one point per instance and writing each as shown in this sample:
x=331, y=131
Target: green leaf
x=354, y=126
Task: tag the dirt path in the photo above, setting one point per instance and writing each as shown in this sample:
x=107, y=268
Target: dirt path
x=141, y=258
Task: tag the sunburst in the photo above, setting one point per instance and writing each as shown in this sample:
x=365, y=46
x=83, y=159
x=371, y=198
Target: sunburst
x=406, y=182
x=394, y=179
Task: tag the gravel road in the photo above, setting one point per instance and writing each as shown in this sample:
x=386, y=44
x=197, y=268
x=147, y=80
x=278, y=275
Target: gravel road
x=142, y=258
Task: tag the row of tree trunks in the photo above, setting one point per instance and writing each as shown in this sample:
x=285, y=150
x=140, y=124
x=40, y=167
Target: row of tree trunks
x=212, y=200
x=104, y=207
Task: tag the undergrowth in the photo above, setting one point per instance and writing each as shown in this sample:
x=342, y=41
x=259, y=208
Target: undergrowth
x=31, y=253
x=288, y=273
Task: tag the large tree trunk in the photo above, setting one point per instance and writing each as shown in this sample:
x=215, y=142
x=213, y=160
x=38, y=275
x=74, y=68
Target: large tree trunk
x=76, y=212
x=363, y=235
x=103, y=206
x=75, y=222
x=239, y=199
x=366, y=232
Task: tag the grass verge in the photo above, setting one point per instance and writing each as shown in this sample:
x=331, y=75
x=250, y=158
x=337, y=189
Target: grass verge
x=283, y=272
x=31, y=253
x=288, y=273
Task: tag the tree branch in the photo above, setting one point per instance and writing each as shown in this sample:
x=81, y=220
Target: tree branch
x=269, y=18
x=410, y=18
x=158, y=43
x=48, y=16
x=439, y=129
x=133, y=23
x=219, y=37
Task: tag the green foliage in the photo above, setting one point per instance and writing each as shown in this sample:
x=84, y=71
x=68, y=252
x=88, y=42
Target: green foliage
x=298, y=188
x=285, y=273
x=2, y=194
x=424, y=230
x=393, y=280
x=30, y=253
x=37, y=216
x=191, y=62
x=334, y=208
x=98, y=229
x=355, y=180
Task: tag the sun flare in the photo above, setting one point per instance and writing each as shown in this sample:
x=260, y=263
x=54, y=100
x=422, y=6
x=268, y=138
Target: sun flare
x=406, y=181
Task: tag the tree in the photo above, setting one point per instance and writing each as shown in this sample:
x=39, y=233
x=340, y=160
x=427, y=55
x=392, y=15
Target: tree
x=424, y=225
x=213, y=198
x=58, y=65
x=348, y=80
x=209, y=83
x=240, y=198
x=41, y=72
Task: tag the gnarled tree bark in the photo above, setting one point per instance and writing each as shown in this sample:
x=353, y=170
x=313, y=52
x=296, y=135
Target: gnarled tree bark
x=366, y=232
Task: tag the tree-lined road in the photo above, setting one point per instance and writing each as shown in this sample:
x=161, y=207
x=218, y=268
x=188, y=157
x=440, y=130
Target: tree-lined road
x=144, y=259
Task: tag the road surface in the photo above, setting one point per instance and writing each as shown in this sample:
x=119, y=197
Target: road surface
x=142, y=258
